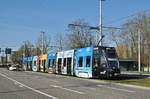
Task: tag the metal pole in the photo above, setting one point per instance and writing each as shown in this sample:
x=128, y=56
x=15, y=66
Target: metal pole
x=3, y=57
x=42, y=42
x=96, y=37
x=6, y=56
x=100, y=26
x=139, y=51
x=23, y=54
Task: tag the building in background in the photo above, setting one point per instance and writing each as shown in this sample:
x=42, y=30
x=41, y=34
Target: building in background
x=128, y=64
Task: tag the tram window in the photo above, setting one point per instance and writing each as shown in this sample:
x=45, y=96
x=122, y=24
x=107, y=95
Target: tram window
x=44, y=62
x=96, y=52
x=54, y=62
x=69, y=62
x=39, y=62
x=80, y=61
x=30, y=63
x=103, y=61
x=111, y=54
x=88, y=59
x=59, y=61
x=64, y=64
x=27, y=64
x=96, y=61
x=34, y=63
x=49, y=62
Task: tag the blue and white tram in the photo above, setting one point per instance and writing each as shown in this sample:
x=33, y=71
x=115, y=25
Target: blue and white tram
x=96, y=61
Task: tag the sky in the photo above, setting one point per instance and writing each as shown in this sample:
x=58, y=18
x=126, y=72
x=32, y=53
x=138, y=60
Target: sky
x=22, y=20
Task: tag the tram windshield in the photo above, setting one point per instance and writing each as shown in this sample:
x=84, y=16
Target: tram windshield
x=106, y=57
x=112, y=58
x=111, y=53
x=99, y=59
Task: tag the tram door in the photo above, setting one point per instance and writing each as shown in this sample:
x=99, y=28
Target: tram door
x=59, y=65
x=30, y=65
x=44, y=65
x=69, y=61
x=39, y=65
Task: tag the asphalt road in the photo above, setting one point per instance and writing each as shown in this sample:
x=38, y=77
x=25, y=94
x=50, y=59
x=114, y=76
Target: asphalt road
x=34, y=85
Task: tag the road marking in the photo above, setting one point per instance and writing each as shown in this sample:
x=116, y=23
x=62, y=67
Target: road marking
x=20, y=86
x=23, y=85
x=116, y=88
x=67, y=89
x=15, y=83
x=48, y=79
x=53, y=80
x=134, y=86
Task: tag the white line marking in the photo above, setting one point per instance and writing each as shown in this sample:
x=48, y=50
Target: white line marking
x=48, y=79
x=116, y=88
x=134, y=86
x=53, y=80
x=15, y=83
x=67, y=89
x=20, y=86
x=50, y=96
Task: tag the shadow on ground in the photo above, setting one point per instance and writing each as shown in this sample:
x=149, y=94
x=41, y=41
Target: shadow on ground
x=121, y=77
x=128, y=77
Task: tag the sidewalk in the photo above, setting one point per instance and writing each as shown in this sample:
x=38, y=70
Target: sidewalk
x=135, y=72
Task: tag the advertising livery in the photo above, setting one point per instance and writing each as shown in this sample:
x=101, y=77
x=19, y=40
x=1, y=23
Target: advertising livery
x=88, y=62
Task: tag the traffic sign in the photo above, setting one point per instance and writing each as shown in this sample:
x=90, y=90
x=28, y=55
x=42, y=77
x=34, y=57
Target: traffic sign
x=8, y=51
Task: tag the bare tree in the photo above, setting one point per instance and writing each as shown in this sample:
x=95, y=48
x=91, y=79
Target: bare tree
x=115, y=37
x=16, y=57
x=129, y=36
x=26, y=50
x=80, y=36
x=46, y=43
x=60, y=41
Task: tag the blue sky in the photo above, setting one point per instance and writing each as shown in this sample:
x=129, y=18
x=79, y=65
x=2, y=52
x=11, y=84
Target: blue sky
x=22, y=20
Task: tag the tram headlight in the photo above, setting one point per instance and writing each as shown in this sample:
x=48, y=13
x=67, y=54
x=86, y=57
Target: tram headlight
x=114, y=67
x=104, y=72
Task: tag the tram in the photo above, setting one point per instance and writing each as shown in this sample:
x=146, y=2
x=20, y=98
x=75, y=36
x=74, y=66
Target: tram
x=96, y=61
x=88, y=62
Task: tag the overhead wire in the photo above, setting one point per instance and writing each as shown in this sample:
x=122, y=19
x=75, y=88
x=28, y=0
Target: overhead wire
x=122, y=18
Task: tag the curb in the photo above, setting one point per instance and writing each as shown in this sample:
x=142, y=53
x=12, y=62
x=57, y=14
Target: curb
x=133, y=86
